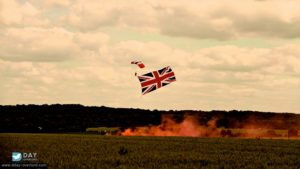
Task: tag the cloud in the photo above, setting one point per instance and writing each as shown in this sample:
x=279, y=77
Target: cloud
x=90, y=41
x=14, y=14
x=47, y=44
x=52, y=3
x=221, y=77
x=95, y=14
x=36, y=44
x=196, y=19
x=75, y=62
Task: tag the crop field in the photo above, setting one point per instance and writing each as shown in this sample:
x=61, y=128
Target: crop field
x=97, y=151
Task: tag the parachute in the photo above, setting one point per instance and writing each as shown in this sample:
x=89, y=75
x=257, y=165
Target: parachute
x=139, y=63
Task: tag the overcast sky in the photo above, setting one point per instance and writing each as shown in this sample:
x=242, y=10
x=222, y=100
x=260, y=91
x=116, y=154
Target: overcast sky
x=230, y=54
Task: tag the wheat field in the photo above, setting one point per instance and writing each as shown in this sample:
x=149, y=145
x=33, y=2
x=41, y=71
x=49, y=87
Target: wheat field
x=96, y=151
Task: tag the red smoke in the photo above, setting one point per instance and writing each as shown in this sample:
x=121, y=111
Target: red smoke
x=190, y=127
x=168, y=127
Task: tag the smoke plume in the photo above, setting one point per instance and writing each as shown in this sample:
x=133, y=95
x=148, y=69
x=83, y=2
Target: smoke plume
x=190, y=127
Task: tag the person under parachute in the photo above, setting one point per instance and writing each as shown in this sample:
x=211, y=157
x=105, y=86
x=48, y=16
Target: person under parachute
x=155, y=79
x=140, y=65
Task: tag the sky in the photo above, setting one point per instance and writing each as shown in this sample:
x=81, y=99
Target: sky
x=226, y=55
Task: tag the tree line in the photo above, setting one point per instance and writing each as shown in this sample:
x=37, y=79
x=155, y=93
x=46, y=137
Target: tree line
x=76, y=118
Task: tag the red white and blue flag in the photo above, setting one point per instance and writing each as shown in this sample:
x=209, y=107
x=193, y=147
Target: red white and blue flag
x=156, y=79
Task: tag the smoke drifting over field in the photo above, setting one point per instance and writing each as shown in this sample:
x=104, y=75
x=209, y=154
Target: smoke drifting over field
x=168, y=127
x=190, y=127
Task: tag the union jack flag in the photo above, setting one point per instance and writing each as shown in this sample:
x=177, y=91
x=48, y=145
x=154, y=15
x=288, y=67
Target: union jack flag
x=156, y=79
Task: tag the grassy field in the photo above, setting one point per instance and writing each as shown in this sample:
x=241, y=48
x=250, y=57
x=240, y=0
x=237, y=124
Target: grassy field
x=96, y=151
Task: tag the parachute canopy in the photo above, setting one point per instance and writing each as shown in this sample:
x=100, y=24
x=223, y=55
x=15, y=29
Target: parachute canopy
x=139, y=63
x=156, y=79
